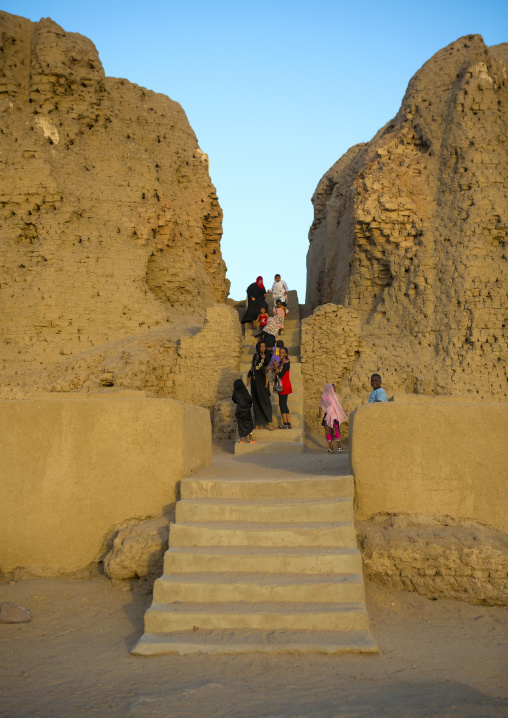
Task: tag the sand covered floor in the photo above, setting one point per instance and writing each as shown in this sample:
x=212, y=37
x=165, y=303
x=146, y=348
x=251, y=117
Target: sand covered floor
x=438, y=658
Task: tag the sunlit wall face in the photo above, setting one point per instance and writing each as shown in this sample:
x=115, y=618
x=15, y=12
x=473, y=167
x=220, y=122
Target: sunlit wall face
x=275, y=92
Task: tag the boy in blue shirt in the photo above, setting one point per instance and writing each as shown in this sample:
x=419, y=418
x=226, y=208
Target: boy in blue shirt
x=378, y=393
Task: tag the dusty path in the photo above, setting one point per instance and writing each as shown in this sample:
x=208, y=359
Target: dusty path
x=438, y=658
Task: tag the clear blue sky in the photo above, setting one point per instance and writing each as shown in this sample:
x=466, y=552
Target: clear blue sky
x=275, y=91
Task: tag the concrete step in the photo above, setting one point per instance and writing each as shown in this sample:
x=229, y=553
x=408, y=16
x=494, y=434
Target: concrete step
x=292, y=347
x=278, y=435
x=251, y=533
x=271, y=510
x=250, y=641
x=291, y=326
x=292, y=316
x=296, y=423
x=296, y=396
x=294, y=399
x=299, y=559
x=268, y=487
x=296, y=419
x=269, y=447
x=161, y=618
x=246, y=363
x=290, y=338
x=296, y=377
x=252, y=587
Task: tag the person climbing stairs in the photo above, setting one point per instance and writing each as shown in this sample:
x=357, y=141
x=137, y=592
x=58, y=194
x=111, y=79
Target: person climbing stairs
x=288, y=440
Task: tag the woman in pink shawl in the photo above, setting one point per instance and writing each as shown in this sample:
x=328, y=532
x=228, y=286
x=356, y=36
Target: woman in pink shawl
x=334, y=416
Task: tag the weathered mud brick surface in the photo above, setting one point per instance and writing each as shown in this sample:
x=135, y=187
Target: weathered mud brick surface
x=409, y=235
x=110, y=229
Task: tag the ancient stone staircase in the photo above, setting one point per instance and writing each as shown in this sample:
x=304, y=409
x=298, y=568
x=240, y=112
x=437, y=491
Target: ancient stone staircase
x=267, y=564
x=282, y=441
x=262, y=563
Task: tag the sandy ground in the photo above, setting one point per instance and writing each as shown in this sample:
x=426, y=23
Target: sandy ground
x=438, y=658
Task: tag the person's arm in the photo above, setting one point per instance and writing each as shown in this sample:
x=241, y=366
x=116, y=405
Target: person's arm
x=251, y=371
x=283, y=368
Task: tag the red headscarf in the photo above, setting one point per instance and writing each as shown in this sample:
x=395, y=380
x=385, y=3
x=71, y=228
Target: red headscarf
x=259, y=281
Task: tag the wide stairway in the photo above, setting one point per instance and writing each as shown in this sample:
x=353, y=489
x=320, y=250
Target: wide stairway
x=263, y=558
x=283, y=441
x=261, y=564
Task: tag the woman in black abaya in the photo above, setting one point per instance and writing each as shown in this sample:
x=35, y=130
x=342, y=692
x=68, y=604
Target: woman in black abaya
x=258, y=376
x=256, y=293
x=243, y=412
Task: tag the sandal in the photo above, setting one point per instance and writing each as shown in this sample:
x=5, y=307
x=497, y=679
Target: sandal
x=327, y=451
x=252, y=441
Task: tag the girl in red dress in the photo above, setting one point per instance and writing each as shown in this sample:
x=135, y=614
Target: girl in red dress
x=283, y=374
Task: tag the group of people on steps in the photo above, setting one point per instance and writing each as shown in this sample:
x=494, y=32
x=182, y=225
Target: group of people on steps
x=269, y=326
x=271, y=362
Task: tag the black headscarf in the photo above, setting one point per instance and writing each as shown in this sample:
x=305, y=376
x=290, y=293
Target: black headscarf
x=240, y=388
x=262, y=341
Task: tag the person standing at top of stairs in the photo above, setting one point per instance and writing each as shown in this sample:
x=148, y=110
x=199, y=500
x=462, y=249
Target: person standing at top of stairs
x=279, y=290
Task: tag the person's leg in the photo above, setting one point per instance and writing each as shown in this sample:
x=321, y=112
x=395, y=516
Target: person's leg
x=258, y=414
x=328, y=436
x=266, y=414
x=337, y=437
x=287, y=418
x=283, y=403
x=281, y=409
